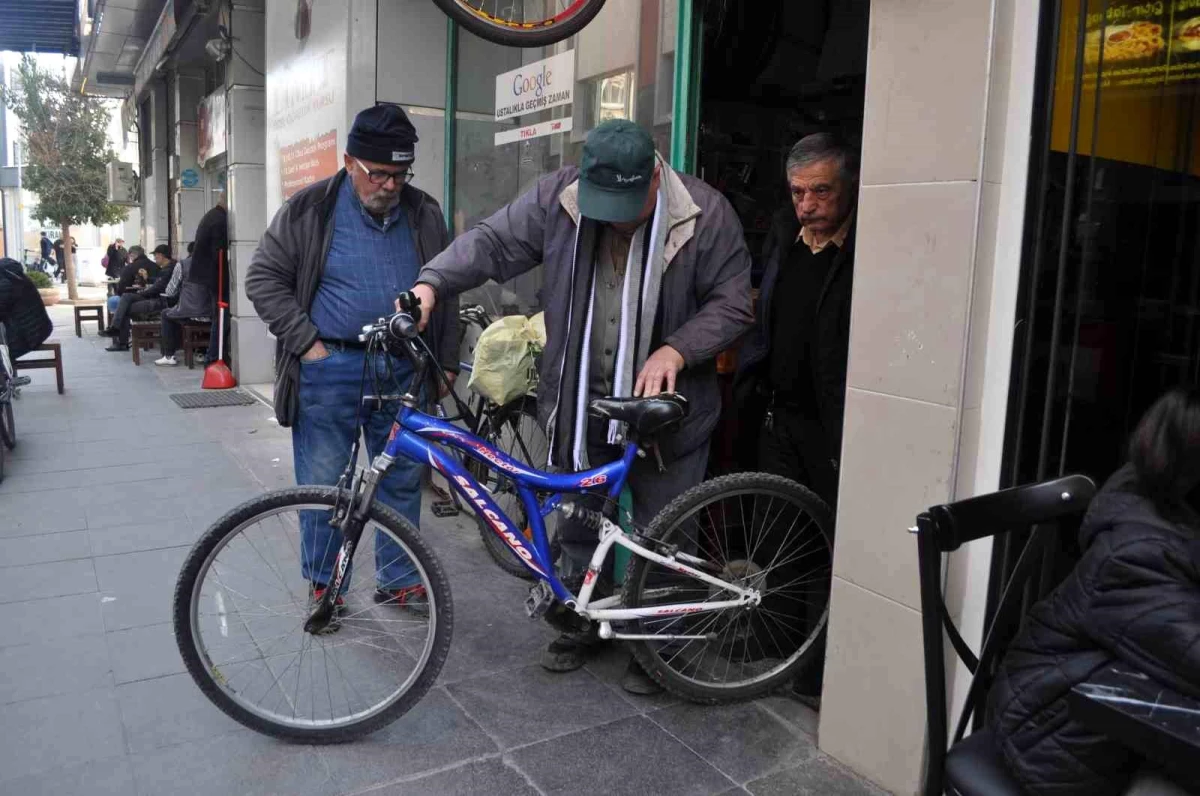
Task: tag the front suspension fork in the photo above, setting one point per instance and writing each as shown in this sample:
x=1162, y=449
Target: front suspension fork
x=350, y=519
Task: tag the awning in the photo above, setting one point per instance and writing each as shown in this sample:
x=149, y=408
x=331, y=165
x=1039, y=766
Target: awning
x=47, y=26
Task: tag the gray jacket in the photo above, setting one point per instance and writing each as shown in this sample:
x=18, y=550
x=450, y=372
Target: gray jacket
x=286, y=270
x=705, y=304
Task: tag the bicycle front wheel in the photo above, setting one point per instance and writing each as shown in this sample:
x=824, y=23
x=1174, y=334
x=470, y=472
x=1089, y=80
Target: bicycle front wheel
x=522, y=24
x=8, y=428
x=755, y=531
x=242, y=600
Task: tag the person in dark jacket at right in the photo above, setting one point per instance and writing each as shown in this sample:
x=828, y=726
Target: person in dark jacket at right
x=1133, y=599
x=209, y=267
x=791, y=385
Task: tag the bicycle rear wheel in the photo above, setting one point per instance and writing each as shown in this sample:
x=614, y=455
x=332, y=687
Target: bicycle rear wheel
x=8, y=428
x=239, y=611
x=522, y=23
x=756, y=531
x=513, y=429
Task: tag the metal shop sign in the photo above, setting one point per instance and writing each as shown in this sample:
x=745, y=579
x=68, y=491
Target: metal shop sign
x=536, y=87
x=210, y=117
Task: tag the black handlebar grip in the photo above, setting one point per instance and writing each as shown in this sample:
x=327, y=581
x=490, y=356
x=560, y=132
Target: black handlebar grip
x=402, y=326
x=411, y=303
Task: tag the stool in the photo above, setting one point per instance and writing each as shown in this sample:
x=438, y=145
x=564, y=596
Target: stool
x=88, y=312
x=142, y=337
x=195, y=337
x=42, y=363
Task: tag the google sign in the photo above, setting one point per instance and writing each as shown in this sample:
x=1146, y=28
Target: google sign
x=535, y=87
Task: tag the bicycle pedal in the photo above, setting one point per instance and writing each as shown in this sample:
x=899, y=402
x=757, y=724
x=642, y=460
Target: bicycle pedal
x=444, y=508
x=539, y=600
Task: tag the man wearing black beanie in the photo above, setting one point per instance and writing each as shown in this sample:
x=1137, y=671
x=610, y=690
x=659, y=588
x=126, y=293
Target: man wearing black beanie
x=333, y=260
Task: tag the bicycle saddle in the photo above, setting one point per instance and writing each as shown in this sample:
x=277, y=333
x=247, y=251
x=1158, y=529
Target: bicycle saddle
x=645, y=416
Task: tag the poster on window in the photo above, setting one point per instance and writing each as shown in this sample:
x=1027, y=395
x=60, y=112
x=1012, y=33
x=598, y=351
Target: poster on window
x=210, y=123
x=306, y=94
x=1141, y=44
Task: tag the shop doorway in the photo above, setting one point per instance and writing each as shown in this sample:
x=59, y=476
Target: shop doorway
x=770, y=73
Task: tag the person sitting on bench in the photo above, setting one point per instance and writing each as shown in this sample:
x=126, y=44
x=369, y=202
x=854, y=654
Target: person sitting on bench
x=194, y=302
x=154, y=298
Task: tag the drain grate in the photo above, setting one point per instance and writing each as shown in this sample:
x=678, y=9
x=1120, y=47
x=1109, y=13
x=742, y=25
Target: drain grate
x=212, y=398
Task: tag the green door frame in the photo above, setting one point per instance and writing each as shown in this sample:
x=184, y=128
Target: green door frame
x=685, y=127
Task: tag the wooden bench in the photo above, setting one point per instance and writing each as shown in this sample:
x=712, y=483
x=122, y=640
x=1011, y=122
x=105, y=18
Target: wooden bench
x=54, y=361
x=143, y=335
x=195, y=337
x=88, y=312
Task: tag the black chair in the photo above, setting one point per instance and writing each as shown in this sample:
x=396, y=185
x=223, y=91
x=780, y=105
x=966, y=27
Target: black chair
x=973, y=767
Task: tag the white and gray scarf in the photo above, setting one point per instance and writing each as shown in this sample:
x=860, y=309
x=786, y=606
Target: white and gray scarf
x=639, y=305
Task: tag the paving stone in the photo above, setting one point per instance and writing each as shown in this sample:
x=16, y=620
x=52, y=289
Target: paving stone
x=484, y=778
x=741, y=740
x=36, y=513
x=55, y=579
x=24, y=550
x=243, y=763
x=817, y=777
x=61, y=666
x=46, y=734
x=156, y=535
x=434, y=734
x=532, y=704
x=166, y=711
x=609, y=662
x=111, y=777
x=631, y=756
x=51, y=618
x=793, y=712
x=138, y=588
x=143, y=652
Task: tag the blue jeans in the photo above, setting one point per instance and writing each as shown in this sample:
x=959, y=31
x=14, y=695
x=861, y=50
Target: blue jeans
x=321, y=439
x=113, y=302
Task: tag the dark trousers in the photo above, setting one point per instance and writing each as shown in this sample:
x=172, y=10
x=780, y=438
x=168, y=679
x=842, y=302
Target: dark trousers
x=172, y=335
x=130, y=306
x=794, y=444
x=652, y=491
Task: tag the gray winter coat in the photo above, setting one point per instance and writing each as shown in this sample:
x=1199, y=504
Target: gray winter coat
x=705, y=304
x=286, y=270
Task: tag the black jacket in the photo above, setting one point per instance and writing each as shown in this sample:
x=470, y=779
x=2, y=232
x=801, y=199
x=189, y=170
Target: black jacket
x=212, y=237
x=26, y=323
x=1133, y=598
x=161, y=281
x=137, y=274
x=116, y=261
x=287, y=267
x=831, y=335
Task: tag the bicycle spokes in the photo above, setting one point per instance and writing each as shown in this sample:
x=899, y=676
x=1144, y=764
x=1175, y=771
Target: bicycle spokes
x=752, y=541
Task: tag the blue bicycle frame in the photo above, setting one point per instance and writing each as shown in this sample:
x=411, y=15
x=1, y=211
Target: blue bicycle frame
x=410, y=438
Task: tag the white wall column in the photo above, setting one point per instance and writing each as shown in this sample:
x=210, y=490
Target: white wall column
x=245, y=102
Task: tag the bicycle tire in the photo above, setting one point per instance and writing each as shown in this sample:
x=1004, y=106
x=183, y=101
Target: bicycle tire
x=231, y=524
x=532, y=33
x=500, y=552
x=8, y=428
x=679, y=510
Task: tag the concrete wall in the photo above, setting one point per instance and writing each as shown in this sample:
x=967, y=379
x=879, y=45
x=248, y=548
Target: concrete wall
x=940, y=220
x=155, y=185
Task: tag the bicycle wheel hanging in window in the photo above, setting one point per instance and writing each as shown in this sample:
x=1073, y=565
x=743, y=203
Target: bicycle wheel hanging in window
x=522, y=24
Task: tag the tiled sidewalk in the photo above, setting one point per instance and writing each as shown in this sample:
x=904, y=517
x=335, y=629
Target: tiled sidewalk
x=109, y=486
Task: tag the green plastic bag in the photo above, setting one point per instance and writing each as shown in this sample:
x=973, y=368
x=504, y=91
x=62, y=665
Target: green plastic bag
x=504, y=367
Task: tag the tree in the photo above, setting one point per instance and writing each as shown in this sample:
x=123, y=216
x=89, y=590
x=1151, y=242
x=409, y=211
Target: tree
x=66, y=148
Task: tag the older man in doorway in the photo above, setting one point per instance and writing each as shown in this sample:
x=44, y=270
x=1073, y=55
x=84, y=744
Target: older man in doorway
x=623, y=218
x=333, y=260
x=793, y=366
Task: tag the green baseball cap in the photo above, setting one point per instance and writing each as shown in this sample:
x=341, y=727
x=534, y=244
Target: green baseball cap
x=616, y=172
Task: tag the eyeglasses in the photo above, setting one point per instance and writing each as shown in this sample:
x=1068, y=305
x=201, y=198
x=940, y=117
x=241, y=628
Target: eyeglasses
x=380, y=176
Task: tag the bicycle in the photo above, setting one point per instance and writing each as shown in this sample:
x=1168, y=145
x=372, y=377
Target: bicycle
x=514, y=23
x=511, y=428
x=10, y=389
x=714, y=614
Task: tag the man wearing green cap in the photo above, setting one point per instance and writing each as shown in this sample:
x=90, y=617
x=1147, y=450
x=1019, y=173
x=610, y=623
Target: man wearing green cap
x=647, y=280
